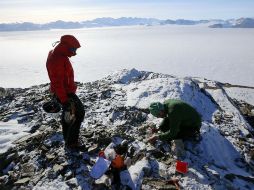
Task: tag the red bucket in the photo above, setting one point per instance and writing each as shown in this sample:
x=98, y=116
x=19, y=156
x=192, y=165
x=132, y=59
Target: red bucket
x=181, y=167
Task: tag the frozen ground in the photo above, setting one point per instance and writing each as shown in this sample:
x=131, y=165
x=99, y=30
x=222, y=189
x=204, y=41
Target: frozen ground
x=224, y=55
x=244, y=94
x=9, y=132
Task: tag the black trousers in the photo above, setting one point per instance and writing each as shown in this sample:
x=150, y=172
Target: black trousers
x=71, y=131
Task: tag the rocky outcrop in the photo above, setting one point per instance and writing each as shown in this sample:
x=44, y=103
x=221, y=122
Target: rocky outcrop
x=116, y=110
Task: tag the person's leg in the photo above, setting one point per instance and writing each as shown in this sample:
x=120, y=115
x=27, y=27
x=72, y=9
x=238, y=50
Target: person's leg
x=79, y=114
x=65, y=126
x=65, y=129
x=185, y=133
x=178, y=148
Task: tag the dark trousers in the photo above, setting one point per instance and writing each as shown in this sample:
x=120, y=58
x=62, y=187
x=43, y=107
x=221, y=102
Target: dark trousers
x=71, y=131
x=189, y=132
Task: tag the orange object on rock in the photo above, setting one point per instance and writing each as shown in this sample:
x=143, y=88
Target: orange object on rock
x=118, y=162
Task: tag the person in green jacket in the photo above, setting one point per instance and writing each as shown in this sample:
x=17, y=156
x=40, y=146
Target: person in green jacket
x=181, y=121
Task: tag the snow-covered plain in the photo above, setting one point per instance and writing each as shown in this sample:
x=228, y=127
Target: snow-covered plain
x=224, y=55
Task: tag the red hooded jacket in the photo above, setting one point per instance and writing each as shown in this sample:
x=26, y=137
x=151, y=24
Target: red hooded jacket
x=59, y=68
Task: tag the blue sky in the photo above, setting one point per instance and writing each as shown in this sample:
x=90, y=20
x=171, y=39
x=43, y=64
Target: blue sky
x=41, y=11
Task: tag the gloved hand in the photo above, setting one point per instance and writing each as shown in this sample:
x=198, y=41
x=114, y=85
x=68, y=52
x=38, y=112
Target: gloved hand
x=69, y=118
x=153, y=139
x=69, y=112
x=153, y=129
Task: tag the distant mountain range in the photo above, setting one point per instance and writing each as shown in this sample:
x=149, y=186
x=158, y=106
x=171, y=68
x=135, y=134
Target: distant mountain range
x=238, y=23
x=125, y=21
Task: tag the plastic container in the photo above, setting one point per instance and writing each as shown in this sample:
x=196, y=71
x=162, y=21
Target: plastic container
x=181, y=167
x=110, y=154
x=99, y=168
x=118, y=162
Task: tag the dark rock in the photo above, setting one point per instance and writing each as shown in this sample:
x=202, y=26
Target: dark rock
x=246, y=110
x=4, y=179
x=100, y=187
x=43, y=148
x=25, y=159
x=34, y=128
x=27, y=170
x=157, y=153
x=2, y=92
x=7, y=158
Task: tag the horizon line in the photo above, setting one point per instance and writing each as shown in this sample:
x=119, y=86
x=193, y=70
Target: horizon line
x=17, y=22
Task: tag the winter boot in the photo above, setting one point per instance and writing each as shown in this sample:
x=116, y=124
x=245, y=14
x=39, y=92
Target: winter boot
x=76, y=146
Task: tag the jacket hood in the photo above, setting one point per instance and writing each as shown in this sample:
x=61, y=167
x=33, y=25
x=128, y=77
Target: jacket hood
x=67, y=42
x=70, y=41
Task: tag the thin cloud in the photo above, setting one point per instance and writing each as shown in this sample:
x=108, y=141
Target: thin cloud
x=79, y=10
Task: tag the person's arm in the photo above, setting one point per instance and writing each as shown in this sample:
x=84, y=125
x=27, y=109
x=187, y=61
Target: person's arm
x=173, y=128
x=58, y=74
x=164, y=125
x=72, y=87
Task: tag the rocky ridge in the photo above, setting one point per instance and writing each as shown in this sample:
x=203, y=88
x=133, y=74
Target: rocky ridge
x=116, y=108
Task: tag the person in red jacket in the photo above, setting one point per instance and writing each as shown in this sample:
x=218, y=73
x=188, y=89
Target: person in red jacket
x=63, y=87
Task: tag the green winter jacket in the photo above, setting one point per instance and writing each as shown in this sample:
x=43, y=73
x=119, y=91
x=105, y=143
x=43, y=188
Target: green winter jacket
x=181, y=119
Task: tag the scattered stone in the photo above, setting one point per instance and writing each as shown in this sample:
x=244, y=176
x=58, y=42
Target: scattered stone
x=58, y=168
x=157, y=184
x=4, y=179
x=14, y=176
x=26, y=138
x=22, y=181
x=43, y=148
x=88, y=134
x=68, y=175
x=157, y=153
x=246, y=110
x=72, y=183
x=2, y=92
x=27, y=170
x=93, y=149
x=50, y=156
